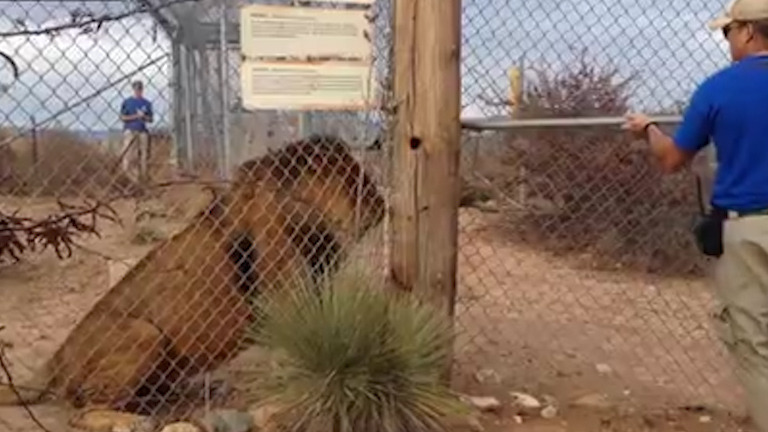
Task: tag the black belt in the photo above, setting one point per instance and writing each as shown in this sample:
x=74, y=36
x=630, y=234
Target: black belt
x=733, y=214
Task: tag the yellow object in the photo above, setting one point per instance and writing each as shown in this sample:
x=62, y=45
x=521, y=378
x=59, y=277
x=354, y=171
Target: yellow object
x=515, y=88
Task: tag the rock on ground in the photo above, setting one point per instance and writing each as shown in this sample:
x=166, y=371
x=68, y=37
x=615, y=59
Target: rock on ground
x=549, y=412
x=228, y=420
x=181, y=427
x=262, y=417
x=112, y=421
x=524, y=403
x=483, y=403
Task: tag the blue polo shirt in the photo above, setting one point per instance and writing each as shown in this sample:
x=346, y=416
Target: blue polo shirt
x=731, y=108
x=131, y=106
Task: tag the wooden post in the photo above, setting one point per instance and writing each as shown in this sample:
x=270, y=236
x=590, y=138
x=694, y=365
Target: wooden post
x=515, y=89
x=425, y=168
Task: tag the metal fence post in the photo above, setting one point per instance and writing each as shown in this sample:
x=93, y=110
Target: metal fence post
x=224, y=84
x=176, y=103
x=186, y=76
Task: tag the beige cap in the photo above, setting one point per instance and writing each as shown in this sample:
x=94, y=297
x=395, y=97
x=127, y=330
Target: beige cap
x=741, y=10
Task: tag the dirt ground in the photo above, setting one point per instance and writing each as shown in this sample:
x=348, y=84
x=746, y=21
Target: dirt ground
x=611, y=352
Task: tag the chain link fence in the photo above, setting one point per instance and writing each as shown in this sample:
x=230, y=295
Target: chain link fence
x=577, y=276
x=160, y=273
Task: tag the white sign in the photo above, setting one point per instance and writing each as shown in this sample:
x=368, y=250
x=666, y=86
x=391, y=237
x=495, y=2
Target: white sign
x=358, y=2
x=303, y=32
x=307, y=86
x=354, y=2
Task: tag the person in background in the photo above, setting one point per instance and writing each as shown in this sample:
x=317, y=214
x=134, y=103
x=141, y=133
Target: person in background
x=730, y=108
x=136, y=112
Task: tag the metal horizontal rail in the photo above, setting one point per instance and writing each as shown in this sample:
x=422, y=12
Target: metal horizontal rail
x=504, y=123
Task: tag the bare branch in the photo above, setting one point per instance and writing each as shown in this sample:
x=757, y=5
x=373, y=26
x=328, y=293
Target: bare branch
x=88, y=22
x=57, y=230
x=21, y=234
x=14, y=67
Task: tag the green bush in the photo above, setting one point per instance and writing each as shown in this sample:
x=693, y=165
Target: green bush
x=353, y=357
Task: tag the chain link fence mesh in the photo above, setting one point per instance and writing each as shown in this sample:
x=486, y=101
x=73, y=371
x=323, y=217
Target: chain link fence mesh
x=163, y=287
x=579, y=277
x=576, y=272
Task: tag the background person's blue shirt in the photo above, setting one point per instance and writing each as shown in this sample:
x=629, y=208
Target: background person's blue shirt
x=731, y=108
x=130, y=107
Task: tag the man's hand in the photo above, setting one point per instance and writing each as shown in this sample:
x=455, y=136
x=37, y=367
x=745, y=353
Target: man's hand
x=132, y=117
x=670, y=157
x=636, y=123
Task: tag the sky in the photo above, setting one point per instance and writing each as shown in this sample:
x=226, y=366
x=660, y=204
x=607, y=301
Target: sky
x=79, y=80
x=92, y=72
x=665, y=42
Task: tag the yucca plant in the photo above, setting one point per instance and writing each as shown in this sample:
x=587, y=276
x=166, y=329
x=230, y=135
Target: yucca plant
x=352, y=357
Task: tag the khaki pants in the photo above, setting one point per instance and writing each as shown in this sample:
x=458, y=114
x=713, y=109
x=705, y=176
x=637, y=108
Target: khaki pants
x=742, y=318
x=135, y=152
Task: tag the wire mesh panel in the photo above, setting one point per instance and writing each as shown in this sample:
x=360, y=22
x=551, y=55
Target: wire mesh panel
x=223, y=131
x=129, y=287
x=578, y=281
x=579, y=277
x=75, y=70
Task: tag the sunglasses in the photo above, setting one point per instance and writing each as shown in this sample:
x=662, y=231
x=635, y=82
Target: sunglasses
x=727, y=29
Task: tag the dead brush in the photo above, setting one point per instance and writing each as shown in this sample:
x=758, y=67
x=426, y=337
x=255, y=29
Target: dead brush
x=58, y=163
x=592, y=191
x=19, y=235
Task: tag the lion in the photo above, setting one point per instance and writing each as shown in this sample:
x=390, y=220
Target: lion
x=320, y=209
x=287, y=217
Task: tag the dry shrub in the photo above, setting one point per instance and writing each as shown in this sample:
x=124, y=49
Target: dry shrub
x=58, y=163
x=6, y=158
x=593, y=191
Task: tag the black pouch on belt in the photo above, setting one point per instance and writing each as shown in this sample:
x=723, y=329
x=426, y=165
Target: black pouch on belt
x=708, y=232
x=708, y=227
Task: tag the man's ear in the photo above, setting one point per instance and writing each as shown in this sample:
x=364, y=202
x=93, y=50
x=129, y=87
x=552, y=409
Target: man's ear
x=750, y=32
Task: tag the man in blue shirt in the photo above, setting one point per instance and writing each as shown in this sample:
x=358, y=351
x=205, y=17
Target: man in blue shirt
x=135, y=113
x=731, y=109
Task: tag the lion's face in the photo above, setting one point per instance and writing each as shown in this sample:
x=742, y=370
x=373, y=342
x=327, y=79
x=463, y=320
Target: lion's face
x=341, y=187
x=325, y=175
